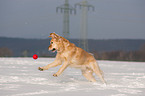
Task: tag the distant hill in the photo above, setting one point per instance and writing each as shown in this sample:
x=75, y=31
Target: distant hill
x=40, y=46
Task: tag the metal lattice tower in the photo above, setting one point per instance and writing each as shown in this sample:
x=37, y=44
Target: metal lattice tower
x=83, y=43
x=66, y=9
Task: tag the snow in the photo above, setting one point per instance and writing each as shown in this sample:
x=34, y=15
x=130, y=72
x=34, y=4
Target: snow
x=20, y=77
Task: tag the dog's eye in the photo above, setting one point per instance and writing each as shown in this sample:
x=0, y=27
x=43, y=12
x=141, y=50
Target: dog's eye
x=51, y=42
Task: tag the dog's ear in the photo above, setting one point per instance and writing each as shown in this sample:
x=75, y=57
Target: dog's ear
x=53, y=35
x=65, y=42
x=60, y=39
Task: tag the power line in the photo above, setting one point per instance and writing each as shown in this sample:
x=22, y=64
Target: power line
x=66, y=9
x=85, y=6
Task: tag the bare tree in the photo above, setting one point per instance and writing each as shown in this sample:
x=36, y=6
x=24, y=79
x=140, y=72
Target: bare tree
x=5, y=52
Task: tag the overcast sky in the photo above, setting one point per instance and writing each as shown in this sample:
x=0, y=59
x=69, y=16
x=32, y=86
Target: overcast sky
x=112, y=19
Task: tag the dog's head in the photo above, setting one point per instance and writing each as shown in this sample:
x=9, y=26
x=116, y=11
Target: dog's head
x=56, y=43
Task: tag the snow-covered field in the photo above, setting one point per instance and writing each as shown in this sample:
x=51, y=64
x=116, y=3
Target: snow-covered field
x=20, y=77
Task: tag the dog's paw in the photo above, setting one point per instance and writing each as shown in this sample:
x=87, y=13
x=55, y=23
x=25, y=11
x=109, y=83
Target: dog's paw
x=55, y=75
x=40, y=68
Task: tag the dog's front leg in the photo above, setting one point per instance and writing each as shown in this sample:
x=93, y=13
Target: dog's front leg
x=53, y=64
x=63, y=67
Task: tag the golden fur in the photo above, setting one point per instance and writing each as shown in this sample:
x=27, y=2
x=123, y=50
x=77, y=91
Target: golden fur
x=70, y=55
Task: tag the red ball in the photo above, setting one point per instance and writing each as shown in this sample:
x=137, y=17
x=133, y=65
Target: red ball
x=35, y=56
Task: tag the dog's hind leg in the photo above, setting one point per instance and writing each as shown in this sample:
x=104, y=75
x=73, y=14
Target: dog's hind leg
x=97, y=71
x=88, y=74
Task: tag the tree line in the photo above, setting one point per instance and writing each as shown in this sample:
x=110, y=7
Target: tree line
x=138, y=55
x=120, y=55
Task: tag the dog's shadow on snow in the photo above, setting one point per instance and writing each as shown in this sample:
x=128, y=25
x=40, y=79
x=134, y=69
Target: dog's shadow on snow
x=68, y=79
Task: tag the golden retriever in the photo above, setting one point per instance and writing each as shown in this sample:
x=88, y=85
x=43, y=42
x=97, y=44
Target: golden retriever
x=70, y=55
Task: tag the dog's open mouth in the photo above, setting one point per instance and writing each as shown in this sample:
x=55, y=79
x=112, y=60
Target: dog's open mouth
x=53, y=50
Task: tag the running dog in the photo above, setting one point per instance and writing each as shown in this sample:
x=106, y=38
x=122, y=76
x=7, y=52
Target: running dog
x=70, y=55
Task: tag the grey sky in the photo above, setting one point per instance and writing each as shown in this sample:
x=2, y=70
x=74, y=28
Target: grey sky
x=112, y=19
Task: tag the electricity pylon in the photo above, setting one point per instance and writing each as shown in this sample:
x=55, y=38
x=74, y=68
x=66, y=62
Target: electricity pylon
x=84, y=21
x=66, y=9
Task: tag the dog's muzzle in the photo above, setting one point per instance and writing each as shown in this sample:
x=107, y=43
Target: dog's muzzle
x=53, y=50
